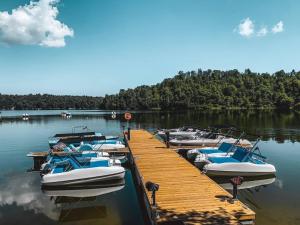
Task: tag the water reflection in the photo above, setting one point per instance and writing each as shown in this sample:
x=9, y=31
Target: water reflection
x=81, y=203
x=85, y=191
x=23, y=201
x=256, y=183
x=275, y=125
x=23, y=191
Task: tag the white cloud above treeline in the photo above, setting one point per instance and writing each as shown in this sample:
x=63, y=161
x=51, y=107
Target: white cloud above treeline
x=246, y=28
x=34, y=24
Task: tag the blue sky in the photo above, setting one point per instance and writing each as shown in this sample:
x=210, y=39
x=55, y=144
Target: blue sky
x=96, y=47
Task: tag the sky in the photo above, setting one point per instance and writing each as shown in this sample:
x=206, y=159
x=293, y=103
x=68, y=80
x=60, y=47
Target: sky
x=97, y=47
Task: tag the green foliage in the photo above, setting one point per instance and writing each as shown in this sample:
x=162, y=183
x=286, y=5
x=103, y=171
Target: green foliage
x=49, y=102
x=190, y=90
x=212, y=89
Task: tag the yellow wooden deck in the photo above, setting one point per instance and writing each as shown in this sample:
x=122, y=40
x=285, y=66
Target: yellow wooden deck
x=184, y=193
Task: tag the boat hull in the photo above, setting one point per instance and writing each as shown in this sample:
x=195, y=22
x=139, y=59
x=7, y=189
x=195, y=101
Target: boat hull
x=84, y=176
x=239, y=169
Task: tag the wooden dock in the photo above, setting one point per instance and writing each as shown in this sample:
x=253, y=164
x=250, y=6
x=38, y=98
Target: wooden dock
x=185, y=196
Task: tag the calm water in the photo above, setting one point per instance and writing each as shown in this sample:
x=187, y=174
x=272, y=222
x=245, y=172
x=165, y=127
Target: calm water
x=276, y=201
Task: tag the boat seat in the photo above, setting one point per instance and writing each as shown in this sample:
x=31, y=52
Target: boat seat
x=59, y=169
x=223, y=160
x=224, y=147
x=102, y=163
x=86, y=147
x=210, y=151
x=240, y=154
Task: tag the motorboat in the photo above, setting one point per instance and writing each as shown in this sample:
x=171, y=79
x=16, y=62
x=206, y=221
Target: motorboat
x=70, y=170
x=86, y=146
x=185, y=131
x=210, y=139
x=25, y=116
x=223, y=150
x=86, y=137
x=243, y=162
x=66, y=114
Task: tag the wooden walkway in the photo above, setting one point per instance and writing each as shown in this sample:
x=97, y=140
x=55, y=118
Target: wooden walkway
x=185, y=196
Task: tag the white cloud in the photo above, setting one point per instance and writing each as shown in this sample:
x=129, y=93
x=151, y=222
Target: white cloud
x=278, y=27
x=34, y=24
x=246, y=27
x=262, y=32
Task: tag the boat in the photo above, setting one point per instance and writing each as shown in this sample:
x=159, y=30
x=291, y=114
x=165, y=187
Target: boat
x=66, y=114
x=185, y=131
x=86, y=137
x=243, y=162
x=223, y=149
x=70, y=170
x=210, y=139
x=25, y=116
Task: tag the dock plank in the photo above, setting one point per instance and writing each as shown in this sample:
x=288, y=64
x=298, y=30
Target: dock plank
x=185, y=194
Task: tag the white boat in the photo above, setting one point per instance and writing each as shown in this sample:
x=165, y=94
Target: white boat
x=25, y=116
x=210, y=139
x=97, y=146
x=66, y=114
x=69, y=171
x=90, y=137
x=179, y=132
x=223, y=149
x=242, y=163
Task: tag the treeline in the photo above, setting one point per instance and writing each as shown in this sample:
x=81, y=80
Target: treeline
x=49, y=102
x=213, y=89
x=188, y=90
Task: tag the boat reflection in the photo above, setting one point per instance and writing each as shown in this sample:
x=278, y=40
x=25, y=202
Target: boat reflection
x=84, y=191
x=80, y=203
x=248, y=182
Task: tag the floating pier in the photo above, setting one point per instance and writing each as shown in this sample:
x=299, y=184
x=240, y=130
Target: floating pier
x=185, y=195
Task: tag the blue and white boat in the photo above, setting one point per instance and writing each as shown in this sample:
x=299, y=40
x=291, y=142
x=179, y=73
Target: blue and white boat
x=185, y=131
x=222, y=150
x=243, y=162
x=86, y=137
x=70, y=170
x=211, y=139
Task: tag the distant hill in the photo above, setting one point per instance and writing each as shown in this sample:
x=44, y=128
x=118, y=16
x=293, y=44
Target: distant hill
x=213, y=89
x=188, y=90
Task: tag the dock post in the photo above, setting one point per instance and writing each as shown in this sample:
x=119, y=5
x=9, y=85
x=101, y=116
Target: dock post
x=168, y=139
x=235, y=181
x=128, y=134
x=153, y=187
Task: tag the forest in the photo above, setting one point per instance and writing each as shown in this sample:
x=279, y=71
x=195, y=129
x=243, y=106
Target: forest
x=213, y=89
x=210, y=89
x=46, y=101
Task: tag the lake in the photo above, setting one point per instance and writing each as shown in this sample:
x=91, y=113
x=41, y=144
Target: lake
x=275, y=200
